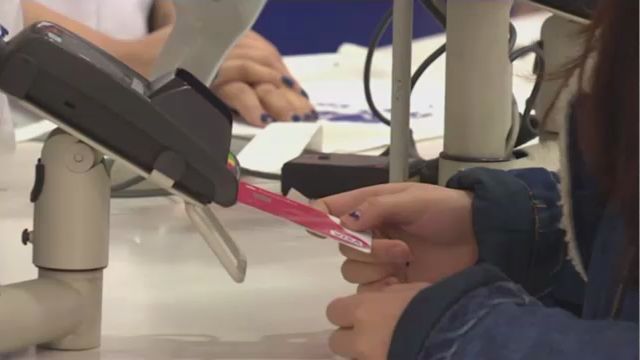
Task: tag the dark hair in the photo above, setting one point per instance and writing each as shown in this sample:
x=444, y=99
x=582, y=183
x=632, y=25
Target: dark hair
x=608, y=115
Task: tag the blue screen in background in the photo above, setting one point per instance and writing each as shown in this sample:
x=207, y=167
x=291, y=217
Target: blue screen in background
x=314, y=26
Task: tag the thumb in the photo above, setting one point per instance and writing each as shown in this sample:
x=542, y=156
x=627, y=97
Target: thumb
x=382, y=210
x=383, y=251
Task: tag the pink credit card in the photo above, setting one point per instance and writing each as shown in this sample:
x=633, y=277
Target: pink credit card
x=313, y=219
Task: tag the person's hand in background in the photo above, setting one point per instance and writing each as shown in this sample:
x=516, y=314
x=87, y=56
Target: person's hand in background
x=421, y=233
x=255, y=82
x=253, y=79
x=367, y=321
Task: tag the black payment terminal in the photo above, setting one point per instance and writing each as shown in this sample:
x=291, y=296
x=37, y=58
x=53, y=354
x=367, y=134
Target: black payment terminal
x=174, y=125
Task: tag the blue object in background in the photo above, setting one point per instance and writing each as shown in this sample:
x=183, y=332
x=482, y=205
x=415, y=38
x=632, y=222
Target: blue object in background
x=314, y=26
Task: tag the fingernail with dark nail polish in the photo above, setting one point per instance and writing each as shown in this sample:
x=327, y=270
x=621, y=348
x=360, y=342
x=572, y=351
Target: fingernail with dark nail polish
x=288, y=81
x=308, y=117
x=315, y=115
x=355, y=215
x=266, y=118
x=304, y=93
x=296, y=118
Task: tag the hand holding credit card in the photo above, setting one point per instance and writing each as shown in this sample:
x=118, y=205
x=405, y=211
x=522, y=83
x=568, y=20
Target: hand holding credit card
x=313, y=219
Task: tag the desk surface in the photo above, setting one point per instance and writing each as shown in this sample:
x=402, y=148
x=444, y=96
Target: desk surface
x=166, y=296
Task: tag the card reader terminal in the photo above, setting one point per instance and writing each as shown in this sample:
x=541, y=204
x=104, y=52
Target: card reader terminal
x=173, y=126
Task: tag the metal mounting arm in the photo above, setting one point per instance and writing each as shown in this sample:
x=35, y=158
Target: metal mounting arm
x=62, y=308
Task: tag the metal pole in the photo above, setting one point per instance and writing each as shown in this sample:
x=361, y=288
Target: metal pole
x=37, y=311
x=401, y=90
x=478, y=101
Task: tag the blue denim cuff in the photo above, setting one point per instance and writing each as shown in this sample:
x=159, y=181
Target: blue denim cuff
x=516, y=218
x=548, y=251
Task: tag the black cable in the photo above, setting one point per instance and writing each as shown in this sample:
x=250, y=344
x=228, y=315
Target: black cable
x=513, y=36
x=526, y=124
x=373, y=44
x=260, y=174
x=368, y=61
x=379, y=32
x=437, y=13
x=527, y=128
x=426, y=63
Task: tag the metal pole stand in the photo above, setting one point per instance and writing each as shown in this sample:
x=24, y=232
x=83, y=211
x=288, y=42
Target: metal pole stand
x=62, y=309
x=478, y=101
x=479, y=115
x=401, y=90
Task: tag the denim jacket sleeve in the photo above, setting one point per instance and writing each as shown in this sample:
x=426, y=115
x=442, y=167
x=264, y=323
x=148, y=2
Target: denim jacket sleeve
x=516, y=220
x=489, y=317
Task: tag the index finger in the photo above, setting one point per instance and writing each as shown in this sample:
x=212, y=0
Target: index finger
x=341, y=204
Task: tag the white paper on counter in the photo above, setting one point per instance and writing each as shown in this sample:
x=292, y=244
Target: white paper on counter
x=275, y=145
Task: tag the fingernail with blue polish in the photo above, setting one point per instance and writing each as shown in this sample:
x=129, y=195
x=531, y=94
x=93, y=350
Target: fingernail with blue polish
x=3, y=32
x=288, y=81
x=355, y=215
x=304, y=93
x=315, y=115
x=266, y=118
x=296, y=118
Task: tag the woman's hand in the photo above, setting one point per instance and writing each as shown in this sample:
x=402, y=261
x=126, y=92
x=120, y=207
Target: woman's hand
x=367, y=321
x=252, y=79
x=421, y=233
x=255, y=82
